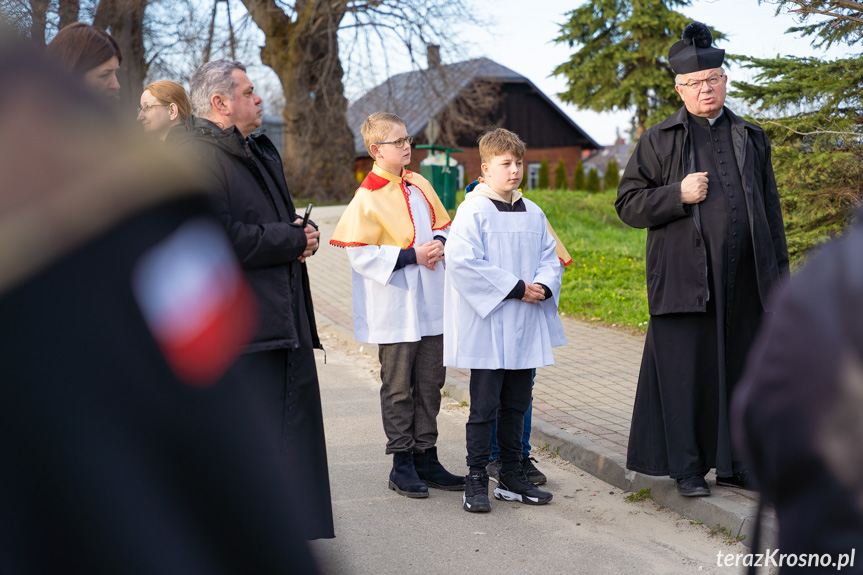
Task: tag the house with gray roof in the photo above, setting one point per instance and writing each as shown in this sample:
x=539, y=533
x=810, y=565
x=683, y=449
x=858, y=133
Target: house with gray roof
x=440, y=104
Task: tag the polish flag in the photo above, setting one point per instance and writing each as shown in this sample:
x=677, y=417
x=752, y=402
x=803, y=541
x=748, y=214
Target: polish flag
x=196, y=301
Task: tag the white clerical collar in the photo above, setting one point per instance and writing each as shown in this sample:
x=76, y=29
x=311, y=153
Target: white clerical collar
x=712, y=120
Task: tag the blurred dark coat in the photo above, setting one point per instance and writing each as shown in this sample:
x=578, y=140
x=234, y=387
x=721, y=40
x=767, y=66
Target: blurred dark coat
x=111, y=463
x=797, y=410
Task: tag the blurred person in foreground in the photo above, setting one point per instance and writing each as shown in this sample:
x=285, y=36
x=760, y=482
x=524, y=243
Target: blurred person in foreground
x=164, y=104
x=126, y=443
x=244, y=173
x=702, y=183
x=88, y=54
x=797, y=410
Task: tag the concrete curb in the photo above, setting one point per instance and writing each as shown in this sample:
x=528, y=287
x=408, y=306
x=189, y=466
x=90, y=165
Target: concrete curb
x=716, y=510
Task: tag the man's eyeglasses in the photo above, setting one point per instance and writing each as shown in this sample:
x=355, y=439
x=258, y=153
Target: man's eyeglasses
x=400, y=143
x=695, y=85
x=147, y=107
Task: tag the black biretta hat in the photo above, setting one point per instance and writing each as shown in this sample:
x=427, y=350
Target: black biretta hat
x=695, y=51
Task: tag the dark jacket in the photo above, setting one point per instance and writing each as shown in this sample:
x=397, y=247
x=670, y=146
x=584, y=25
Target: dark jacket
x=649, y=197
x=266, y=242
x=796, y=412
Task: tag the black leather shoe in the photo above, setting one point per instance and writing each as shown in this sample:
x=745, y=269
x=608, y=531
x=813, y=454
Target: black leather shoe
x=740, y=480
x=693, y=486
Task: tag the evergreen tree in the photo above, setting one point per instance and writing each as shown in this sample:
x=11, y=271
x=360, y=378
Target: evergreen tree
x=578, y=182
x=593, y=184
x=544, y=182
x=621, y=62
x=560, y=176
x=523, y=186
x=612, y=175
x=812, y=110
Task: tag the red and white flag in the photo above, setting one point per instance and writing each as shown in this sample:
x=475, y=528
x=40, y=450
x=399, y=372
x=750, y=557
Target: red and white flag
x=195, y=300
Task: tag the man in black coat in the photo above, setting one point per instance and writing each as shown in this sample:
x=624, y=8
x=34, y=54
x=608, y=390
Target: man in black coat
x=702, y=183
x=245, y=173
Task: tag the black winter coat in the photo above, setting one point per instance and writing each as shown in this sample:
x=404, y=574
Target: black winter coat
x=266, y=241
x=649, y=197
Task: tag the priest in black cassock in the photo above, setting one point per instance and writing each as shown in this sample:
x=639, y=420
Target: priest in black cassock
x=701, y=181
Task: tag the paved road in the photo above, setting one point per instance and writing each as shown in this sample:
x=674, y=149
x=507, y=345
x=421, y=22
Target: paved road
x=588, y=527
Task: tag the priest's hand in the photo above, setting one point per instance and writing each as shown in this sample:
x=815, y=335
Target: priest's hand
x=693, y=188
x=533, y=293
x=312, y=243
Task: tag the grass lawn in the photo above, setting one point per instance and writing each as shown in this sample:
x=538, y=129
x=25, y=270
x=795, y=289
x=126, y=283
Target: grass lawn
x=605, y=282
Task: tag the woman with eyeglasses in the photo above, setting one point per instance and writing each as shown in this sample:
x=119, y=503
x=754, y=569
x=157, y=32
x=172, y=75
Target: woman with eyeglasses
x=90, y=55
x=164, y=104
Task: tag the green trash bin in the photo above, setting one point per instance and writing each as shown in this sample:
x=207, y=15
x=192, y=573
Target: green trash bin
x=444, y=179
x=444, y=184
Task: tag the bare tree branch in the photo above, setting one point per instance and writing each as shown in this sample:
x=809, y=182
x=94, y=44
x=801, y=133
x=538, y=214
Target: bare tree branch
x=816, y=132
x=805, y=7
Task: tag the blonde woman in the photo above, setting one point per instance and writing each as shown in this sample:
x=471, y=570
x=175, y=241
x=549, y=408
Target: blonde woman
x=164, y=104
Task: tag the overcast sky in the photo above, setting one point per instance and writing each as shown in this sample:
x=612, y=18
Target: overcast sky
x=519, y=34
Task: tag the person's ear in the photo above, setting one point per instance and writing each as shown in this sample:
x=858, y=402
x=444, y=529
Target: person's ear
x=375, y=150
x=679, y=89
x=484, y=168
x=173, y=112
x=219, y=105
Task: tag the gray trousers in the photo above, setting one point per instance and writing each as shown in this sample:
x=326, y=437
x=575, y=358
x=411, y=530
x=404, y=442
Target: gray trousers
x=412, y=376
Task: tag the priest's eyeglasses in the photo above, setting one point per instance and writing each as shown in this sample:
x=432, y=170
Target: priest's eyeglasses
x=695, y=85
x=400, y=143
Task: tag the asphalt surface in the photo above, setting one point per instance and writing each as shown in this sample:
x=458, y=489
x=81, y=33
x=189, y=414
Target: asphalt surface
x=589, y=527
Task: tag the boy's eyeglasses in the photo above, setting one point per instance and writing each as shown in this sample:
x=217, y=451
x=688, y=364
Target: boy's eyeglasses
x=695, y=85
x=147, y=107
x=400, y=143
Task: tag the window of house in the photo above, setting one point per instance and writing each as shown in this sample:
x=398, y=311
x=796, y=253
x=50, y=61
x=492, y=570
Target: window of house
x=532, y=176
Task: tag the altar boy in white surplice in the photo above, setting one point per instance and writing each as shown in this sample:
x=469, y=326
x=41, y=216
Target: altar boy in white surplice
x=394, y=231
x=500, y=314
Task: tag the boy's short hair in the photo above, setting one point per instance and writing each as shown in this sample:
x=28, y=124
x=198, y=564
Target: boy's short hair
x=377, y=126
x=498, y=142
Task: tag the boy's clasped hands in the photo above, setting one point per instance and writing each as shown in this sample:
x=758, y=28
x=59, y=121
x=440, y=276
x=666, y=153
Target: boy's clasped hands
x=429, y=253
x=533, y=293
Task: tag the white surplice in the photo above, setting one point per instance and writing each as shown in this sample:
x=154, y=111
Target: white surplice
x=487, y=252
x=402, y=305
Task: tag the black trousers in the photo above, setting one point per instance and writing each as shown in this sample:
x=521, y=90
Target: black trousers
x=502, y=395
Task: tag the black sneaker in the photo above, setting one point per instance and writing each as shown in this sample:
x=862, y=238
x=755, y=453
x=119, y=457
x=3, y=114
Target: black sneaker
x=514, y=486
x=533, y=474
x=740, y=480
x=693, y=486
x=475, y=498
x=494, y=469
